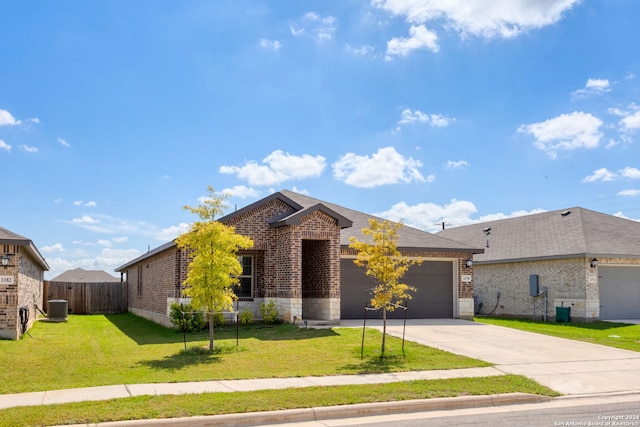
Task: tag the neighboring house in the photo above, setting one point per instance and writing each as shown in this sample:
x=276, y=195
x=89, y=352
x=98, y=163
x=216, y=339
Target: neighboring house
x=80, y=275
x=302, y=261
x=21, y=278
x=587, y=261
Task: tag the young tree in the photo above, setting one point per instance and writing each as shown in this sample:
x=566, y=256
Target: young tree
x=214, y=268
x=380, y=256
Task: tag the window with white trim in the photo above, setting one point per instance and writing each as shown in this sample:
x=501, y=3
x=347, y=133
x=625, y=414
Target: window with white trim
x=245, y=285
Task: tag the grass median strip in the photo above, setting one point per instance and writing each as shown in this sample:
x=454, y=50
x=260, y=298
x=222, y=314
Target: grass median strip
x=152, y=407
x=619, y=335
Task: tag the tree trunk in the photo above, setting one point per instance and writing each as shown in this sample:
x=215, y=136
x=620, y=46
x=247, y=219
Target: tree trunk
x=211, y=341
x=384, y=330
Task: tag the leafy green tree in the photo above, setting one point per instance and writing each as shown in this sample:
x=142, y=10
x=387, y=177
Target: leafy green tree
x=213, y=268
x=380, y=256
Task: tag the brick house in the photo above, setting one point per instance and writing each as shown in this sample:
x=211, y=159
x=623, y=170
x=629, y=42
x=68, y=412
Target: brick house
x=586, y=261
x=301, y=260
x=21, y=283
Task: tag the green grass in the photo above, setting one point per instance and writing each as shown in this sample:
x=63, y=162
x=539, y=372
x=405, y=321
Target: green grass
x=125, y=349
x=620, y=335
x=147, y=407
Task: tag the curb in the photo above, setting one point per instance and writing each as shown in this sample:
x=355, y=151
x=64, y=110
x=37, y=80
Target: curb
x=335, y=412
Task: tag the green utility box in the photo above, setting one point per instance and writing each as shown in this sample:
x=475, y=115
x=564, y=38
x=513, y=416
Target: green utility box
x=563, y=314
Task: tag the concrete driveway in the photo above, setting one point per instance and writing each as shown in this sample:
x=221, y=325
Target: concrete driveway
x=567, y=366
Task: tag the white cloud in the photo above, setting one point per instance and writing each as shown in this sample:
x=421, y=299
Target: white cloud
x=91, y=204
x=6, y=119
x=604, y=175
x=594, y=87
x=56, y=247
x=319, y=27
x=29, y=149
x=460, y=164
x=409, y=116
x=64, y=143
x=484, y=18
x=429, y=216
x=631, y=173
x=105, y=243
x=106, y=224
x=419, y=38
x=270, y=44
x=631, y=122
x=629, y=193
x=122, y=239
x=386, y=166
x=108, y=260
x=278, y=167
x=365, y=50
x=241, y=191
x=565, y=133
x=4, y=146
x=170, y=233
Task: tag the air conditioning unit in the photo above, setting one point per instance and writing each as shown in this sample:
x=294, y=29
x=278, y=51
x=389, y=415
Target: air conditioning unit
x=57, y=310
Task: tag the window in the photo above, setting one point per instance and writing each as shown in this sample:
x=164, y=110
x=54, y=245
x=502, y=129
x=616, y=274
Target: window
x=245, y=288
x=140, y=280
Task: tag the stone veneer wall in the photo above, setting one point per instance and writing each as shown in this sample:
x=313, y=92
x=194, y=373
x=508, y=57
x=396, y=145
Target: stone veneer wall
x=570, y=282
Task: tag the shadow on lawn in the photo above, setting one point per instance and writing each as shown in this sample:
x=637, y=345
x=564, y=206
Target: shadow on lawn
x=144, y=331
x=180, y=360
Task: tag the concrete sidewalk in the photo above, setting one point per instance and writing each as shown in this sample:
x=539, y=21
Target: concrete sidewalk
x=130, y=390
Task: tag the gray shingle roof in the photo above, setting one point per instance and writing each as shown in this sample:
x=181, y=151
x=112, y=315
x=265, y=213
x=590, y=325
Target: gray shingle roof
x=351, y=222
x=409, y=237
x=80, y=275
x=557, y=234
x=10, y=238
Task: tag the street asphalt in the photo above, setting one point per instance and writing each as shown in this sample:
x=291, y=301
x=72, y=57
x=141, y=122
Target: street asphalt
x=573, y=368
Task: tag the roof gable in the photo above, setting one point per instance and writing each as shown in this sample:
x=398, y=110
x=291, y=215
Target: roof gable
x=10, y=238
x=408, y=237
x=80, y=275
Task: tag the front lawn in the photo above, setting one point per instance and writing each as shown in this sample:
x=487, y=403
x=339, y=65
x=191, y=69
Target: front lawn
x=620, y=335
x=100, y=350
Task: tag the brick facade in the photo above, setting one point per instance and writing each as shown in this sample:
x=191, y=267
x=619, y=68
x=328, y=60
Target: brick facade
x=25, y=291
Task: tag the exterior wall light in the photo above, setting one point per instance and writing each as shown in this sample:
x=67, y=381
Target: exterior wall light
x=469, y=263
x=5, y=260
x=594, y=263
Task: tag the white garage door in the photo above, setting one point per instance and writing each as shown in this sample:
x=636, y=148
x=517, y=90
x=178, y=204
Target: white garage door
x=619, y=292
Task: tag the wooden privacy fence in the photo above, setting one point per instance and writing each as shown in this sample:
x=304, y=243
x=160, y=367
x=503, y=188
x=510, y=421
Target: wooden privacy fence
x=88, y=298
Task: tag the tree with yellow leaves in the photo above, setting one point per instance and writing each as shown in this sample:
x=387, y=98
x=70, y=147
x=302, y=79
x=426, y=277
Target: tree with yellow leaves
x=380, y=256
x=213, y=268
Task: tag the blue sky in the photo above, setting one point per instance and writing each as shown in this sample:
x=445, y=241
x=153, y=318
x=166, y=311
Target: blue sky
x=115, y=114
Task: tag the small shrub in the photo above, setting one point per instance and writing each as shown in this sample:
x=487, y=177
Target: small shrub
x=269, y=312
x=186, y=318
x=245, y=318
x=218, y=320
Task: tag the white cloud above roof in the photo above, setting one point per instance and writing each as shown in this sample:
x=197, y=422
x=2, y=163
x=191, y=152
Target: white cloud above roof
x=566, y=132
x=4, y=146
x=7, y=119
x=604, y=175
x=386, y=166
x=484, y=18
x=419, y=38
x=277, y=168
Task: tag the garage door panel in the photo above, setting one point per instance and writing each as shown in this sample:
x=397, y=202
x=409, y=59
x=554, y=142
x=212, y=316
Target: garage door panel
x=433, y=298
x=619, y=292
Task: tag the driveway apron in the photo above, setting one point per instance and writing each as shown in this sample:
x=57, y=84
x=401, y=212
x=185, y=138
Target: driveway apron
x=567, y=366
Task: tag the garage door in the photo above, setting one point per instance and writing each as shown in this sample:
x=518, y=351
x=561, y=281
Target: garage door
x=619, y=292
x=432, y=300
